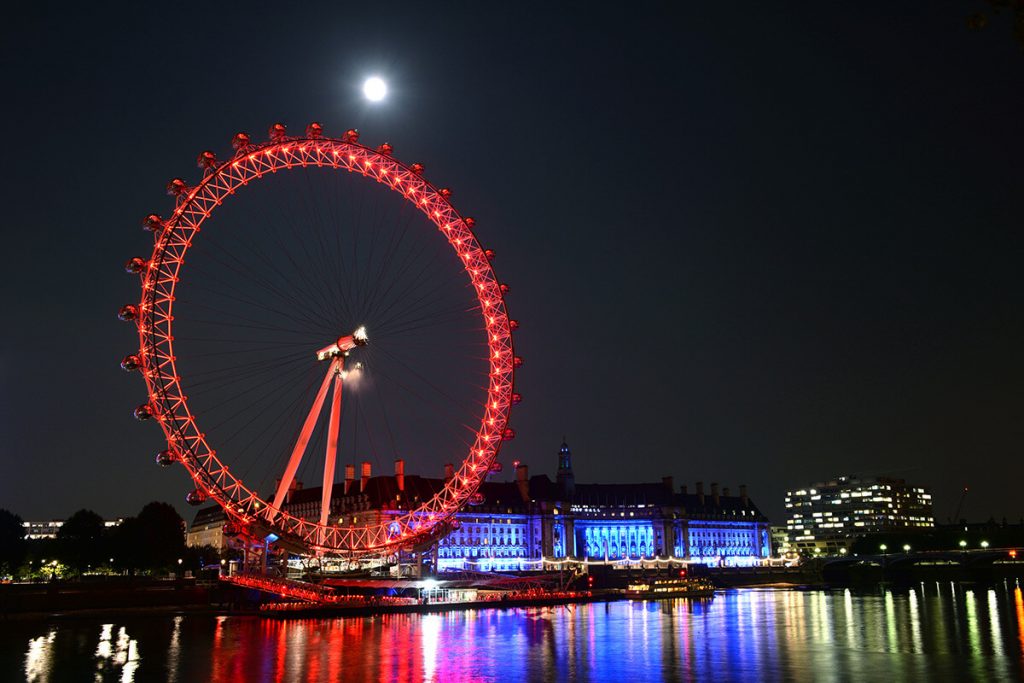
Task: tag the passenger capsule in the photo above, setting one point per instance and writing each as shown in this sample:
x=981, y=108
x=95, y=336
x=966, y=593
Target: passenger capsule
x=131, y=363
x=517, y=362
x=508, y=434
x=277, y=132
x=445, y=192
x=195, y=497
x=177, y=187
x=505, y=289
x=135, y=265
x=513, y=324
x=166, y=458
x=206, y=159
x=495, y=467
x=470, y=222
x=351, y=135
x=476, y=499
x=517, y=398
x=386, y=149
x=417, y=169
x=128, y=312
x=314, y=131
x=489, y=253
x=153, y=223
x=231, y=529
x=143, y=412
x=240, y=141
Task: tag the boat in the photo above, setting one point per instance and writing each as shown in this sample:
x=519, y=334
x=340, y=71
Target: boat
x=678, y=587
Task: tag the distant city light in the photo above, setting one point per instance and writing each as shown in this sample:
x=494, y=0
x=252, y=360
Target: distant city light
x=375, y=89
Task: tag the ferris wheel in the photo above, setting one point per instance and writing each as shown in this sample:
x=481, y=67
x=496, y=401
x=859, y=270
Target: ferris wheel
x=338, y=275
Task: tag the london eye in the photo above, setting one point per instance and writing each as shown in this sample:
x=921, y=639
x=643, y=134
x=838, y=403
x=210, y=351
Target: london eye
x=305, y=275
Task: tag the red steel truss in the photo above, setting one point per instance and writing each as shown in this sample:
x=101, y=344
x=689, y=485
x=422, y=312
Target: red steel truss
x=168, y=406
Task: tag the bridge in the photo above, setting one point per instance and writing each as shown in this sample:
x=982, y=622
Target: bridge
x=987, y=564
x=964, y=558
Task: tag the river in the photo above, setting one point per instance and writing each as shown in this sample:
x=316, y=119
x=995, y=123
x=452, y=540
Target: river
x=934, y=631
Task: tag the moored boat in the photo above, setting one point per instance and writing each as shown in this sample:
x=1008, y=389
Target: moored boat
x=677, y=587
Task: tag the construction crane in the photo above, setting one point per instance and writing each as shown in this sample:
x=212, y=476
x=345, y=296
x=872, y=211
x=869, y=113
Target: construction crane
x=960, y=506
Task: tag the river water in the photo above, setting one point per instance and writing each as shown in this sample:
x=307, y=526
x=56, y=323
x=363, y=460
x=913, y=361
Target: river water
x=925, y=632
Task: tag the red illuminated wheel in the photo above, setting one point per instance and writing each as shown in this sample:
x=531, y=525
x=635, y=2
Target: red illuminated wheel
x=277, y=308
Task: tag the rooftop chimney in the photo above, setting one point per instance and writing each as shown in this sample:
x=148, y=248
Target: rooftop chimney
x=350, y=476
x=682, y=489
x=523, y=482
x=667, y=481
x=725, y=491
x=700, y=492
x=714, y=494
x=292, y=488
x=449, y=471
x=365, y=478
x=400, y=474
x=743, y=495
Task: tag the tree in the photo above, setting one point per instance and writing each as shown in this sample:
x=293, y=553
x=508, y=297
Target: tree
x=13, y=546
x=163, y=536
x=199, y=556
x=126, y=545
x=81, y=541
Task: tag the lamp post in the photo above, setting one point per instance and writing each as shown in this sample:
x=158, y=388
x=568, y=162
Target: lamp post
x=906, y=547
x=984, y=544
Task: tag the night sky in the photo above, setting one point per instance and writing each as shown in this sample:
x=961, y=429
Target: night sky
x=746, y=244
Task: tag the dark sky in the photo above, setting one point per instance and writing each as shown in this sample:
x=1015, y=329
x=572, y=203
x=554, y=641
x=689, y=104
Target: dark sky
x=747, y=244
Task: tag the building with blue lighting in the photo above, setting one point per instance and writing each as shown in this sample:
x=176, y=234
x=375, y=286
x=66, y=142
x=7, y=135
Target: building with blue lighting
x=520, y=524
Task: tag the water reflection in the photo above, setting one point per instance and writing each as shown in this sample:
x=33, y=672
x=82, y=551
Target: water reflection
x=120, y=657
x=927, y=631
x=915, y=623
x=37, y=659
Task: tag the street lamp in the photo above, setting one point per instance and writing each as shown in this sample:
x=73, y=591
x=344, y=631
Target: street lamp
x=984, y=544
x=906, y=547
x=883, y=548
x=963, y=544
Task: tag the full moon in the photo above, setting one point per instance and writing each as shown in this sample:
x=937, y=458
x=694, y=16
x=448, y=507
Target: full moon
x=375, y=89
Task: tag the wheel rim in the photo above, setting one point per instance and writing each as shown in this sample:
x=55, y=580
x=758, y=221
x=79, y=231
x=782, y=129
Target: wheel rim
x=182, y=428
